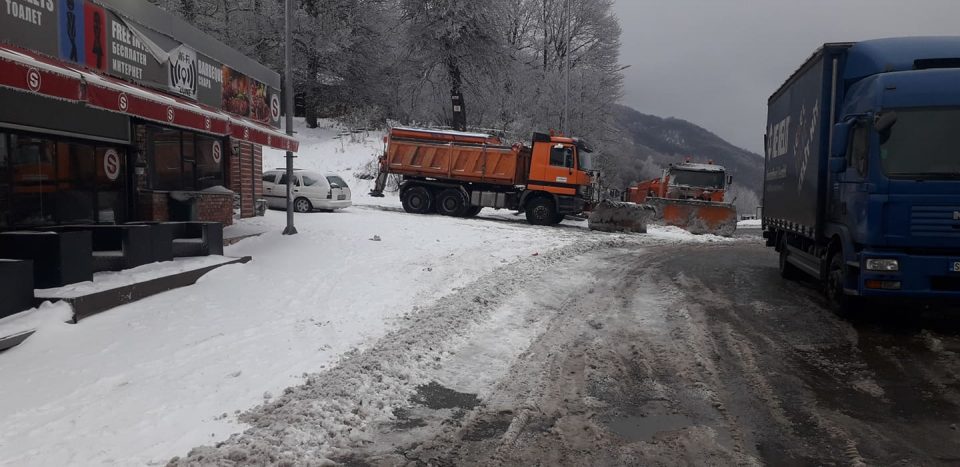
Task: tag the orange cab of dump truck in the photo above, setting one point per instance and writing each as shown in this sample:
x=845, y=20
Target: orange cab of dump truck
x=559, y=165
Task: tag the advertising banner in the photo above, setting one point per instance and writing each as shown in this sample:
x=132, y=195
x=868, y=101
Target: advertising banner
x=87, y=34
x=33, y=24
x=183, y=75
x=95, y=37
x=72, y=31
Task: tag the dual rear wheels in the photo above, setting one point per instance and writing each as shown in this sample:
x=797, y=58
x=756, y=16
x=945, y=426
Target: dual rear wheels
x=448, y=202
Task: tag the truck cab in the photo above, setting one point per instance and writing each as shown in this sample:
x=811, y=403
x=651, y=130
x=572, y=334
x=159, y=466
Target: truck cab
x=561, y=169
x=896, y=171
x=887, y=202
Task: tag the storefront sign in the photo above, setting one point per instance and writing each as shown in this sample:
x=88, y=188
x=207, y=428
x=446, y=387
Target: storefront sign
x=34, y=81
x=111, y=164
x=86, y=33
x=275, y=107
x=183, y=71
x=32, y=22
x=217, y=152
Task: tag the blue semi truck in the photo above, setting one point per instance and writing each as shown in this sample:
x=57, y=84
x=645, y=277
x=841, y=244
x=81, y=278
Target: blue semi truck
x=862, y=173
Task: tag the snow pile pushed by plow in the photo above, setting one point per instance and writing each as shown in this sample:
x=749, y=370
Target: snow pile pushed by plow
x=616, y=216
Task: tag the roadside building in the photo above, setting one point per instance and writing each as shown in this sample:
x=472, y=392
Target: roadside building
x=114, y=111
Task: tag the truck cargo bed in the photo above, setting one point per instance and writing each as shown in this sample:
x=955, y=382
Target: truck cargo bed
x=456, y=157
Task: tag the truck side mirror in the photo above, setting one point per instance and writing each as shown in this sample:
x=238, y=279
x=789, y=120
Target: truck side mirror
x=838, y=164
x=841, y=133
x=729, y=179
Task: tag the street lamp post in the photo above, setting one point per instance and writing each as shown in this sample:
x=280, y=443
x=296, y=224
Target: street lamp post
x=288, y=104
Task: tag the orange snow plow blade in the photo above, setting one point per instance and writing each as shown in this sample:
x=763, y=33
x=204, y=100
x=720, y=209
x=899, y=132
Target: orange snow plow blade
x=697, y=217
x=617, y=216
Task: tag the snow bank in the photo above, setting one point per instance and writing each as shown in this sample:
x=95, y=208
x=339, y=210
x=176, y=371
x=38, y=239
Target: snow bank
x=750, y=224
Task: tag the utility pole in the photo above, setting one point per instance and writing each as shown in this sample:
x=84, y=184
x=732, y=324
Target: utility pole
x=565, y=127
x=288, y=104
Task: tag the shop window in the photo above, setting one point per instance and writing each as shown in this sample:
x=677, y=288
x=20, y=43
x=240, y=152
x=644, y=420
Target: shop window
x=209, y=169
x=167, y=170
x=46, y=181
x=183, y=160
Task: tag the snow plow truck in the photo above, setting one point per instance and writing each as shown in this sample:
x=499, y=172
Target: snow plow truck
x=690, y=196
x=457, y=174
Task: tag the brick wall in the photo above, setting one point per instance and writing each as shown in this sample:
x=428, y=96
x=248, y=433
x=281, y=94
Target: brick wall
x=245, y=170
x=215, y=207
x=152, y=206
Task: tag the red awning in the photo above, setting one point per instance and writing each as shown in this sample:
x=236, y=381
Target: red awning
x=33, y=73
x=28, y=72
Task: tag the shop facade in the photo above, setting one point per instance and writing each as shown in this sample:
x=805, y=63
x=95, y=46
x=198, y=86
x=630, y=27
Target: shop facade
x=115, y=111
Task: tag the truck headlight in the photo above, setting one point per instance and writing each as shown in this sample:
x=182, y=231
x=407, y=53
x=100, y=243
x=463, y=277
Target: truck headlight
x=883, y=265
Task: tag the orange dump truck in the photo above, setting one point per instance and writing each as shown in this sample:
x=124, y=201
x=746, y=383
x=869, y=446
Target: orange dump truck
x=457, y=174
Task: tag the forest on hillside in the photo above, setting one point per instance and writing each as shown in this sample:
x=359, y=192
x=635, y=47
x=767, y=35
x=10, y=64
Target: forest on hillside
x=369, y=61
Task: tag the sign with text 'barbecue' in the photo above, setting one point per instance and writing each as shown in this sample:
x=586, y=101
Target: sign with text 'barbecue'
x=85, y=33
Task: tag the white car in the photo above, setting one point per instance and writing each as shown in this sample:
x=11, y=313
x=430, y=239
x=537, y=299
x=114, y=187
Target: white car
x=311, y=190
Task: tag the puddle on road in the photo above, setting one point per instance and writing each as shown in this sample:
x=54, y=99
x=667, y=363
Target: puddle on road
x=438, y=397
x=637, y=428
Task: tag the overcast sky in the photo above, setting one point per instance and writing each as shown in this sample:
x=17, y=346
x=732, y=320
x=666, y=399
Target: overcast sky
x=715, y=62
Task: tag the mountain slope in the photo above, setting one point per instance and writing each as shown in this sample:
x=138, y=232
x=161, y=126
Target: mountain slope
x=646, y=144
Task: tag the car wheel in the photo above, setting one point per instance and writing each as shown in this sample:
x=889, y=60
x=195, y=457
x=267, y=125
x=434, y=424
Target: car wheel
x=302, y=205
x=451, y=202
x=417, y=200
x=541, y=211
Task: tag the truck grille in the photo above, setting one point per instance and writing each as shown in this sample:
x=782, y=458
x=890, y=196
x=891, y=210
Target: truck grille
x=940, y=221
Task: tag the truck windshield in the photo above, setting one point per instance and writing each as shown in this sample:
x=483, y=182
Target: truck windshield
x=922, y=143
x=586, y=161
x=697, y=179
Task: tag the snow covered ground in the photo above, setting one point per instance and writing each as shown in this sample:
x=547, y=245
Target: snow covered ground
x=151, y=380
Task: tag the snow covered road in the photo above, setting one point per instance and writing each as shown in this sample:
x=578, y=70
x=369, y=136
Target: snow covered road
x=150, y=380
x=624, y=353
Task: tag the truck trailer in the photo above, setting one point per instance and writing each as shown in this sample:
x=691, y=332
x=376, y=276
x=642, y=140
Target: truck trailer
x=458, y=173
x=862, y=173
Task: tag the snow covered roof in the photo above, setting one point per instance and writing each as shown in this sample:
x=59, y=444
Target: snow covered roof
x=445, y=132
x=700, y=167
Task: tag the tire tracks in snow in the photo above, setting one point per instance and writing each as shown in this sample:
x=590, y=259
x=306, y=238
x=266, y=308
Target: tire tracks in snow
x=336, y=412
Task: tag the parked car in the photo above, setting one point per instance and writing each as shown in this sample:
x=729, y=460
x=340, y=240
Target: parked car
x=311, y=190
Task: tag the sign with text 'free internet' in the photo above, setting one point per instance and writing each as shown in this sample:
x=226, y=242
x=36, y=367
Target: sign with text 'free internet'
x=86, y=33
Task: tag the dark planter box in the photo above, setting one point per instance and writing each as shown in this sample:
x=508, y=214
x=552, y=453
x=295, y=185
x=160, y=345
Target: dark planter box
x=59, y=258
x=197, y=238
x=161, y=239
x=16, y=286
x=116, y=247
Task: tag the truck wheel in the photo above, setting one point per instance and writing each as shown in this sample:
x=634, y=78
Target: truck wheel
x=559, y=218
x=787, y=270
x=451, y=202
x=472, y=211
x=840, y=303
x=417, y=200
x=541, y=211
